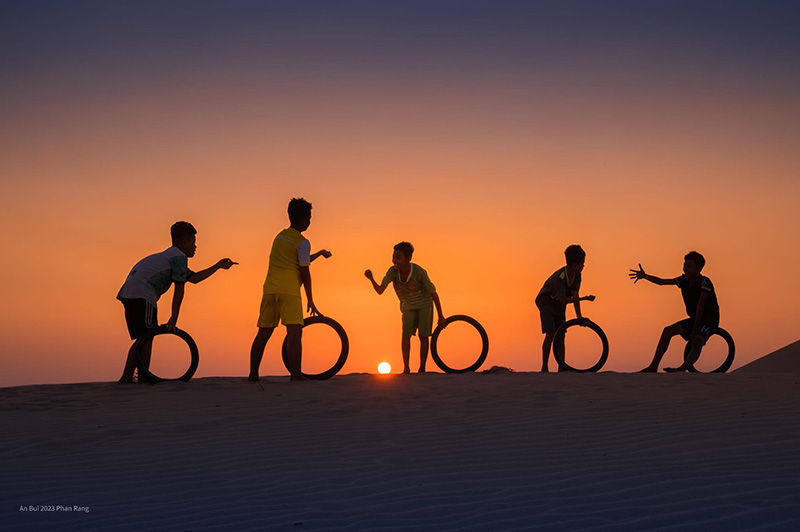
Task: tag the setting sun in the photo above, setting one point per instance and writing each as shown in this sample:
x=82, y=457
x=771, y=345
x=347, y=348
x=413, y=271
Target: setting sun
x=384, y=367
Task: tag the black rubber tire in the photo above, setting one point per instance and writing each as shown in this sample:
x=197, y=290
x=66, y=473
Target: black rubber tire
x=484, y=339
x=726, y=364
x=559, y=356
x=156, y=331
x=342, y=355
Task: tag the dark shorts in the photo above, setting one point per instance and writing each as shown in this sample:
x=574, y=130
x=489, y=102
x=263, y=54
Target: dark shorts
x=706, y=330
x=552, y=320
x=140, y=315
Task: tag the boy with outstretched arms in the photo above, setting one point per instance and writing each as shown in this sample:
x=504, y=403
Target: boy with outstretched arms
x=701, y=305
x=289, y=262
x=150, y=279
x=417, y=297
x=560, y=289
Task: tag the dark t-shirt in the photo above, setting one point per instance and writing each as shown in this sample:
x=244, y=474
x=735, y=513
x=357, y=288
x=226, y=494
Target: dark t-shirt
x=557, y=285
x=691, y=297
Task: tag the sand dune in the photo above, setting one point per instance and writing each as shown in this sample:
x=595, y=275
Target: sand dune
x=784, y=360
x=504, y=451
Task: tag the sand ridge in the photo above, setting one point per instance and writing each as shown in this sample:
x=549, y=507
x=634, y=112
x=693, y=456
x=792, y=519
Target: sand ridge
x=784, y=360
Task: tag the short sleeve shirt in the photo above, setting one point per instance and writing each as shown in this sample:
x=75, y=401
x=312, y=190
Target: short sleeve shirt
x=415, y=293
x=290, y=250
x=691, y=297
x=557, y=285
x=153, y=275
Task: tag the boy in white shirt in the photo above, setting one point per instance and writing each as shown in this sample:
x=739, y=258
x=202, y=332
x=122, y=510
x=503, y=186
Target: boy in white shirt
x=150, y=278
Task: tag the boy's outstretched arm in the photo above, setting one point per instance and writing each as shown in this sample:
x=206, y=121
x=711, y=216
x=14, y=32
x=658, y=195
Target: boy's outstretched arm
x=305, y=279
x=323, y=252
x=377, y=287
x=202, y=275
x=636, y=275
x=573, y=298
x=438, y=303
x=177, y=299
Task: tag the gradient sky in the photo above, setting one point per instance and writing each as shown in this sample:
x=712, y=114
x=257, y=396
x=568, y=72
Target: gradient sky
x=489, y=134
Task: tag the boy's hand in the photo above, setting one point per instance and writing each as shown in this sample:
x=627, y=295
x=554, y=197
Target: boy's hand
x=636, y=275
x=589, y=298
x=442, y=322
x=312, y=309
x=325, y=253
x=225, y=263
x=368, y=275
x=172, y=324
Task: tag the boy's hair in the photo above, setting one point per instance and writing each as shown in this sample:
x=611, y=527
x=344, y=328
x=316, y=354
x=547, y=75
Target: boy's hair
x=181, y=230
x=575, y=254
x=299, y=209
x=697, y=258
x=405, y=248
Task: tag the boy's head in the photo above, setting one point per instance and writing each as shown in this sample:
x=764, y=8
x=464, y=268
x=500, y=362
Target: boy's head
x=299, y=214
x=184, y=237
x=576, y=258
x=402, y=254
x=693, y=263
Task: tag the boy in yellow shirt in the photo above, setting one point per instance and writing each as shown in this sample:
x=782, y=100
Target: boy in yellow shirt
x=289, y=263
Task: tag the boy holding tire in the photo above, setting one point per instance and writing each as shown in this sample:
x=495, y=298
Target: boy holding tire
x=417, y=296
x=149, y=279
x=701, y=305
x=289, y=262
x=560, y=289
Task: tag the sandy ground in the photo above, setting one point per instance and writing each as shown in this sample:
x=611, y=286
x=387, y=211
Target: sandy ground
x=502, y=451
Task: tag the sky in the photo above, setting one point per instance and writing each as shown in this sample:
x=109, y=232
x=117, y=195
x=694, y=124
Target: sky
x=489, y=134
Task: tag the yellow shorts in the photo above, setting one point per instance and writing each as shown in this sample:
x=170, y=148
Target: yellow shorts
x=283, y=308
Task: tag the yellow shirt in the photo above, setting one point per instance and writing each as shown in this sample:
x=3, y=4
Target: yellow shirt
x=290, y=250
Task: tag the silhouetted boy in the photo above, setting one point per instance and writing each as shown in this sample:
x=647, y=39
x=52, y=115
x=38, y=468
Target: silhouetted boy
x=289, y=263
x=560, y=289
x=417, y=296
x=150, y=279
x=701, y=305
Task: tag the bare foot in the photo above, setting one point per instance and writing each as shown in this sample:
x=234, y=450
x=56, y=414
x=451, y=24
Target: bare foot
x=675, y=370
x=406, y=371
x=545, y=369
x=649, y=369
x=421, y=370
x=253, y=378
x=126, y=381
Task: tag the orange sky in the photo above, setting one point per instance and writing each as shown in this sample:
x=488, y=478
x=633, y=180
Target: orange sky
x=490, y=177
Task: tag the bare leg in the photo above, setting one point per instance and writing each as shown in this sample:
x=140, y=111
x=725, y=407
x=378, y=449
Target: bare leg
x=294, y=349
x=147, y=351
x=405, y=346
x=130, y=363
x=548, y=342
x=130, y=367
x=559, y=345
x=424, y=342
x=257, y=351
x=694, y=353
x=663, y=344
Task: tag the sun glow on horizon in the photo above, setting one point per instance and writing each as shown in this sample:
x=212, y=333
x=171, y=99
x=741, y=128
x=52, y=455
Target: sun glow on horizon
x=384, y=368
